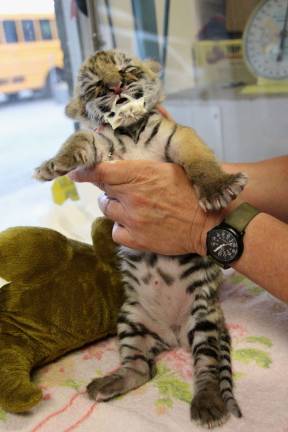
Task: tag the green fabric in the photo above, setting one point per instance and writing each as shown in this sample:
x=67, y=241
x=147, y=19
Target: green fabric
x=61, y=295
x=241, y=216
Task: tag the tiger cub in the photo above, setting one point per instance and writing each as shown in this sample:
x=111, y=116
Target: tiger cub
x=170, y=300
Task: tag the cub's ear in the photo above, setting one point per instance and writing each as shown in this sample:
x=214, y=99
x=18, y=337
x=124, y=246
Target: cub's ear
x=150, y=67
x=154, y=66
x=74, y=108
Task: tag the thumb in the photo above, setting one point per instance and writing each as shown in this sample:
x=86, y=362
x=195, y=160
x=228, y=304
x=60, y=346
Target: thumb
x=123, y=237
x=83, y=175
x=112, y=173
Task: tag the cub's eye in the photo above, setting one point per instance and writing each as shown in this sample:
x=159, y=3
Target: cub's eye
x=101, y=91
x=104, y=108
x=130, y=69
x=138, y=94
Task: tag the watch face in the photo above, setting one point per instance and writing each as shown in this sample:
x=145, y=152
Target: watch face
x=224, y=244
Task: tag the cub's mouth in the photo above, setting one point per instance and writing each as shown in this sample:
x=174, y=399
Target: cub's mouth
x=125, y=110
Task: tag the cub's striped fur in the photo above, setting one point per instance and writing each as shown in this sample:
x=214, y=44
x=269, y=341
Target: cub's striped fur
x=170, y=300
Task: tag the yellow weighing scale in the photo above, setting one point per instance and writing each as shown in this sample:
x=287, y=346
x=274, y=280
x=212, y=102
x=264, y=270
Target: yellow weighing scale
x=265, y=47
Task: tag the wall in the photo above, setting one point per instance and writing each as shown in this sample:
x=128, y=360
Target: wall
x=242, y=130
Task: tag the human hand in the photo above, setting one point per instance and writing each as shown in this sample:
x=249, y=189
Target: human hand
x=153, y=205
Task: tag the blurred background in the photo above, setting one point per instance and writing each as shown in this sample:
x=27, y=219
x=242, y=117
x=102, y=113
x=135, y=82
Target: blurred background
x=224, y=71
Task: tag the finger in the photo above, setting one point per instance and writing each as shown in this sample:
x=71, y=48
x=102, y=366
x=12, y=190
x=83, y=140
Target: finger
x=115, y=172
x=83, y=175
x=164, y=112
x=102, y=187
x=112, y=209
x=121, y=171
x=123, y=237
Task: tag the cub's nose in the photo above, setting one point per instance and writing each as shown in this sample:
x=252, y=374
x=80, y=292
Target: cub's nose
x=117, y=88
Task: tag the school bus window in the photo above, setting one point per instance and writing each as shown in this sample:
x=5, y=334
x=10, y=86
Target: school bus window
x=10, y=31
x=28, y=30
x=45, y=27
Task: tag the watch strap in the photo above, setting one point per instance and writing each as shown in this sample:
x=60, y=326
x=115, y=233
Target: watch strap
x=241, y=216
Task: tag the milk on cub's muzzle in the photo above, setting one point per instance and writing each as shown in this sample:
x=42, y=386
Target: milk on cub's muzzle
x=133, y=109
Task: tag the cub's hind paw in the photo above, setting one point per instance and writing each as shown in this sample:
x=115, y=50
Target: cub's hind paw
x=105, y=388
x=233, y=407
x=220, y=195
x=208, y=409
x=116, y=384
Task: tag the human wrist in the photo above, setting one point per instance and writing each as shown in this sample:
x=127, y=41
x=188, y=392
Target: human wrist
x=212, y=220
x=201, y=223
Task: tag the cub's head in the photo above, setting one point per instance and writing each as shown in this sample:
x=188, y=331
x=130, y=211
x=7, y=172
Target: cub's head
x=114, y=88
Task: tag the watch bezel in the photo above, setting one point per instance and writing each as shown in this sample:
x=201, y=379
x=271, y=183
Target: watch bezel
x=238, y=237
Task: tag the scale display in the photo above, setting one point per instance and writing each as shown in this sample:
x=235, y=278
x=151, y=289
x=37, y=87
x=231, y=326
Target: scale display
x=265, y=40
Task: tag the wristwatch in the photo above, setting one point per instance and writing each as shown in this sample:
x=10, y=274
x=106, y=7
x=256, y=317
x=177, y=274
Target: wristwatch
x=225, y=241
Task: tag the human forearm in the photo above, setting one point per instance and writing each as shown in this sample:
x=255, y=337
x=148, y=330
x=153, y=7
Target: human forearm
x=265, y=257
x=267, y=187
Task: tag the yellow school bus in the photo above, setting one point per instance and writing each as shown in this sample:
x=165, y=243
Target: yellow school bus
x=30, y=53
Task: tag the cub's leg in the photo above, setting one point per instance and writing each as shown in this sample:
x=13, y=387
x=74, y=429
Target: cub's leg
x=226, y=378
x=82, y=148
x=138, y=348
x=213, y=398
x=214, y=187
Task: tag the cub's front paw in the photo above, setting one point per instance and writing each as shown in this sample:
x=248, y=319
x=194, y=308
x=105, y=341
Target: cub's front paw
x=221, y=193
x=208, y=409
x=77, y=151
x=61, y=165
x=48, y=170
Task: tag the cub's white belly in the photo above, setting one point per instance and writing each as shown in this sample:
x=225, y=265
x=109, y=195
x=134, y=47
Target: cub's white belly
x=165, y=304
x=162, y=293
